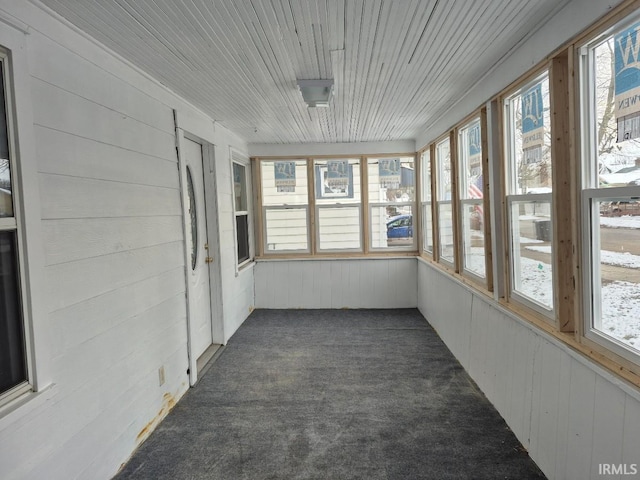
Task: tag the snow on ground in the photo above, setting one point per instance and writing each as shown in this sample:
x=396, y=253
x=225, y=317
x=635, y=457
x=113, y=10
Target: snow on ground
x=621, y=312
x=536, y=281
x=616, y=259
x=530, y=240
x=627, y=221
x=474, y=260
x=620, y=300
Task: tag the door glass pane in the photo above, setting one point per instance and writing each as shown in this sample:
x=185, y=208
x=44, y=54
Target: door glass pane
x=6, y=203
x=13, y=369
x=193, y=218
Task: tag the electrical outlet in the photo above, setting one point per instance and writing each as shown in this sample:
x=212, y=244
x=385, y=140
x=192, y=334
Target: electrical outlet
x=161, y=375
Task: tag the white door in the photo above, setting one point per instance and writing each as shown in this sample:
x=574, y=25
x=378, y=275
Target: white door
x=200, y=294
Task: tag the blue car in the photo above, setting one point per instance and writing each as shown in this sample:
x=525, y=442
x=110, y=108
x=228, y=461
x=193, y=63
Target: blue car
x=400, y=226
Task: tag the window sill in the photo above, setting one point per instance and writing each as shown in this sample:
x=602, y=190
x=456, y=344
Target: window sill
x=245, y=267
x=330, y=257
x=24, y=405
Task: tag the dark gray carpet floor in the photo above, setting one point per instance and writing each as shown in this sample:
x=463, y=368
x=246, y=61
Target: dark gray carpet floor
x=333, y=394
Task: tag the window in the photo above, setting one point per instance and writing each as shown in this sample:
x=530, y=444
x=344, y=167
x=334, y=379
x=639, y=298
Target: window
x=338, y=204
x=427, y=221
x=321, y=205
x=391, y=202
x=528, y=194
x=446, y=241
x=285, y=206
x=611, y=188
x=241, y=210
x=471, y=198
x=13, y=356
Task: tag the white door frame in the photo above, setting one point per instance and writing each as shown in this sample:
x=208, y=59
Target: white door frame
x=211, y=204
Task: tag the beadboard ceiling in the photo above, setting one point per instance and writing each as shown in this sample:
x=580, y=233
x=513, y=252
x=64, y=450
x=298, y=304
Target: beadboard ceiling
x=397, y=64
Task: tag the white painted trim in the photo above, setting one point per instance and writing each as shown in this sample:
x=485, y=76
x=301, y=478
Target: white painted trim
x=182, y=173
x=25, y=404
x=27, y=208
x=187, y=122
x=622, y=384
x=213, y=237
x=236, y=156
x=8, y=223
x=12, y=21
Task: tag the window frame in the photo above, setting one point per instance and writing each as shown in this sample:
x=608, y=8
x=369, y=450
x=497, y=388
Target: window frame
x=238, y=158
x=17, y=402
x=426, y=205
x=590, y=192
x=592, y=269
x=463, y=203
x=337, y=204
x=510, y=178
x=263, y=209
x=313, y=207
x=413, y=204
x=12, y=224
x=448, y=137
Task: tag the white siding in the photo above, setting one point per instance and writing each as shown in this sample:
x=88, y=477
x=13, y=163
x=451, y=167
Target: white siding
x=237, y=290
x=353, y=283
x=570, y=414
x=113, y=279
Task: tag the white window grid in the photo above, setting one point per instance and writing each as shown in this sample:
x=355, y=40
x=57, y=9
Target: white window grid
x=510, y=186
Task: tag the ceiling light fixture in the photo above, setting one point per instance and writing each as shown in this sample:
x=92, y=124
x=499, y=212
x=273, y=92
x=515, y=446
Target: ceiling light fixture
x=316, y=93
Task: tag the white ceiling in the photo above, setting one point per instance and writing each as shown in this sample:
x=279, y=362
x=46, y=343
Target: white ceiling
x=397, y=64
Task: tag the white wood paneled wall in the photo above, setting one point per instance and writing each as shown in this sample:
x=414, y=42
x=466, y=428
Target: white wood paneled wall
x=343, y=283
x=114, y=280
x=237, y=290
x=570, y=414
